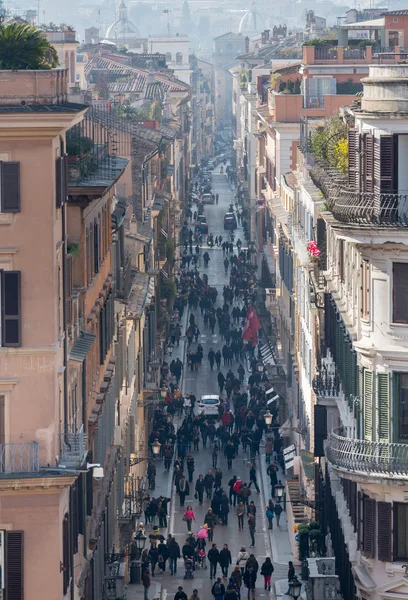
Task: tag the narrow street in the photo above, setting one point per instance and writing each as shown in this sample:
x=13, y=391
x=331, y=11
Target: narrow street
x=204, y=381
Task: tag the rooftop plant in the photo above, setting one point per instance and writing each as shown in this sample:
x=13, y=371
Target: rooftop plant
x=25, y=47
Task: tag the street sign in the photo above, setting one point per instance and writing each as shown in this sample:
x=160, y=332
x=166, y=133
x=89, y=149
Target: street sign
x=289, y=449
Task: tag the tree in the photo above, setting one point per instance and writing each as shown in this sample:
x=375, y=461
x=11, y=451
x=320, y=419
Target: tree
x=24, y=46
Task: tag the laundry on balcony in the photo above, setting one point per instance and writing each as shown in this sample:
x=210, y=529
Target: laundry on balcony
x=140, y=295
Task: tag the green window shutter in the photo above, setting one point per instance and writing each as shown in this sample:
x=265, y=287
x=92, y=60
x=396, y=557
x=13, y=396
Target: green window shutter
x=384, y=407
x=368, y=404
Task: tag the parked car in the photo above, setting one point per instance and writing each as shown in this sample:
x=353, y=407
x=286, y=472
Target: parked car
x=209, y=405
x=207, y=199
x=230, y=221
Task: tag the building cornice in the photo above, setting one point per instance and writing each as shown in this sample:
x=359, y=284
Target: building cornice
x=37, y=126
x=36, y=485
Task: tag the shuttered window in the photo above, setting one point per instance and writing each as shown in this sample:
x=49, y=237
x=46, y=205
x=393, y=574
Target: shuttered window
x=387, y=163
x=68, y=288
x=365, y=289
x=384, y=531
x=359, y=520
x=401, y=398
x=352, y=157
x=10, y=308
x=14, y=568
x=61, y=180
x=368, y=527
x=368, y=404
x=383, y=380
x=368, y=171
x=400, y=531
x=9, y=187
x=96, y=242
x=320, y=433
x=66, y=554
x=400, y=292
x=74, y=516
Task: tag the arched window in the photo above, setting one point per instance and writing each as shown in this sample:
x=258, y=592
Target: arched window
x=169, y=57
x=179, y=58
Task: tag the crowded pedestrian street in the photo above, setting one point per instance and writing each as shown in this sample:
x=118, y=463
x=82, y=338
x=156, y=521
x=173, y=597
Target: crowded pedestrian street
x=195, y=381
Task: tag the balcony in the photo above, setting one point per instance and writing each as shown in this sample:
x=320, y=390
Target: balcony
x=370, y=208
x=19, y=457
x=74, y=450
x=378, y=459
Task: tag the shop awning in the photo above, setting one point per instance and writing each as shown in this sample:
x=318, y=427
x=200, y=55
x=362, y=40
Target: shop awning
x=82, y=346
x=308, y=463
x=140, y=295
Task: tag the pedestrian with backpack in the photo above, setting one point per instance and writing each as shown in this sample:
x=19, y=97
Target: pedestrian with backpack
x=218, y=590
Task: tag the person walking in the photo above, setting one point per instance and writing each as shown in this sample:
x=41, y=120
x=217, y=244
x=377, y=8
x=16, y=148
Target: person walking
x=240, y=512
x=210, y=519
x=242, y=559
x=225, y=560
x=252, y=478
x=272, y=472
x=221, y=381
x=269, y=515
x=146, y=583
x=291, y=574
x=173, y=550
x=213, y=559
x=184, y=489
x=180, y=594
x=194, y=595
x=251, y=526
x=267, y=570
x=163, y=555
x=250, y=582
x=209, y=482
x=199, y=488
x=211, y=358
x=230, y=594
x=190, y=468
x=153, y=558
x=245, y=493
x=230, y=453
x=236, y=577
x=218, y=589
x=278, y=511
x=189, y=517
x=224, y=508
x=232, y=494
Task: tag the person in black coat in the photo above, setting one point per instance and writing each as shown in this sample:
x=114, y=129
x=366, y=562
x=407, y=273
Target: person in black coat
x=225, y=560
x=153, y=558
x=267, y=570
x=199, y=488
x=232, y=494
x=213, y=559
x=163, y=555
x=224, y=508
x=173, y=550
x=250, y=582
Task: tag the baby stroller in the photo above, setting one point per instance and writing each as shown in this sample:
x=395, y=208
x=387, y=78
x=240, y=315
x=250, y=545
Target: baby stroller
x=201, y=559
x=188, y=565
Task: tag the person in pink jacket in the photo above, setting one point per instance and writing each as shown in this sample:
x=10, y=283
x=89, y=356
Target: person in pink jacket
x=189, y=516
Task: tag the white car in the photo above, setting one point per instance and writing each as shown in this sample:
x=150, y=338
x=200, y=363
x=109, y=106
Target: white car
x=209, y=405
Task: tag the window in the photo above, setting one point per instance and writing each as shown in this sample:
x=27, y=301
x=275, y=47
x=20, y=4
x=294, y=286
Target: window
x=341, y=260
x=365, y=289
x=400, y=531
x=400, y=292
x=9, y=187
x=2, y=420
x=66, y=554
x=10, y=308
x=169, y=57
x=106, y=326
x=11, y=564
x=179, y=58
x=368, y=527
x=401, y=380
x=61, y=181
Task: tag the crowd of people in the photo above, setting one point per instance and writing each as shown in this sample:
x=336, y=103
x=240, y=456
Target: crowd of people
x=237, y=434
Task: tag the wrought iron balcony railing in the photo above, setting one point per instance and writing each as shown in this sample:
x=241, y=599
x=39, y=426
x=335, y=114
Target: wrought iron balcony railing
x=326, y=385
x=19, y=457
x=357, y=207
x=379, y=459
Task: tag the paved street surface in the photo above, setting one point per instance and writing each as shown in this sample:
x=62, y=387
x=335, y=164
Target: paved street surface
x=204, y=381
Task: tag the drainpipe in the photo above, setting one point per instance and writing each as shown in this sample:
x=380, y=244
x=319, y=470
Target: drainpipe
x=64, y=320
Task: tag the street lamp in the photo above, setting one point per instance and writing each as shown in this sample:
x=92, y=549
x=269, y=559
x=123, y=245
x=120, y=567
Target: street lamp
x=156, y=448
x=260, y=368
x=268, y=418
x=279, y=489
x=170, y=349
x=140, y=541
x=295, y=587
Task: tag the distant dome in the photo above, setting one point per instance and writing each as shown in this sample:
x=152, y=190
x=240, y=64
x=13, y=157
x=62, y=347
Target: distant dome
x=122, y=30
x=252, y=21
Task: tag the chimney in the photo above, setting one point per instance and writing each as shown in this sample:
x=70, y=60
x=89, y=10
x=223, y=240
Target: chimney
x=246, y=45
